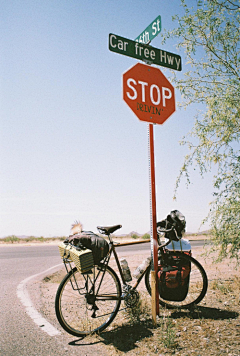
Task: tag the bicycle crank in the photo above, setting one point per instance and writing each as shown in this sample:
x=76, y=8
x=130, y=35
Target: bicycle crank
x=131, y=299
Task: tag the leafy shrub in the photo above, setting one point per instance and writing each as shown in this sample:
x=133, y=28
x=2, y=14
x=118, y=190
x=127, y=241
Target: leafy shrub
x=11, y=239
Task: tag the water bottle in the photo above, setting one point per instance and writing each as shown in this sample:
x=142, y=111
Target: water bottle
x=141, y=268
x=125, y=270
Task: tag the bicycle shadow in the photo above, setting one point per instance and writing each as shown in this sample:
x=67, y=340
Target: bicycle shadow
x=125, y=338
x=78, y=342
x=200, y=312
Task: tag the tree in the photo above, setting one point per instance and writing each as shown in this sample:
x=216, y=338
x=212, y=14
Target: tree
x=209, y=32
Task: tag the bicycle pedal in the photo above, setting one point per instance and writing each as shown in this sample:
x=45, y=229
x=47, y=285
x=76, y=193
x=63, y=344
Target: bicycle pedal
x=126, y=290
x=93, y=314
x=126, y=287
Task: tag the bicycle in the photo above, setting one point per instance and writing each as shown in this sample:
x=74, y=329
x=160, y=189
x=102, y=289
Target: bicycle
x=88, y=302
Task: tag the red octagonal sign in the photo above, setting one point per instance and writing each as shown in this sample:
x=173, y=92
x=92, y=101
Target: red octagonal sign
x=148, y=93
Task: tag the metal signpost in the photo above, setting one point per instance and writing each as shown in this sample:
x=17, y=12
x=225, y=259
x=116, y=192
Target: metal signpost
x=151, y=97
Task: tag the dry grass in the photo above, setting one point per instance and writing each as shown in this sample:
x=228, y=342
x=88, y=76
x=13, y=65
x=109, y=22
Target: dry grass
x=212, y=328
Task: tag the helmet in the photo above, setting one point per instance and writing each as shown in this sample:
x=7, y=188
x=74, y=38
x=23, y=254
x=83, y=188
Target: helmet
x=177, y=220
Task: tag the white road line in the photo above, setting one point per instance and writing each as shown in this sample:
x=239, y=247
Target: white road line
x=38, y=319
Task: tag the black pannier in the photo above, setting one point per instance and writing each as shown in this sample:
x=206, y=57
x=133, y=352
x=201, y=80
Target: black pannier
x=87, y=239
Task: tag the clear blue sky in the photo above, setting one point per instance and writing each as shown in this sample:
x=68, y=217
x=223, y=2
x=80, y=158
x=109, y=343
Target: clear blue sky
x=70, y=146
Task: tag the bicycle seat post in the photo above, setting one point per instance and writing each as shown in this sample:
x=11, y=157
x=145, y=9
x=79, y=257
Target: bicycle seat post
x=110, y=238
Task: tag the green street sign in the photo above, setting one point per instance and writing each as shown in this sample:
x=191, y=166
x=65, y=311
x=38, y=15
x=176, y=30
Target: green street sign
x=144, y=52
x=150, y=32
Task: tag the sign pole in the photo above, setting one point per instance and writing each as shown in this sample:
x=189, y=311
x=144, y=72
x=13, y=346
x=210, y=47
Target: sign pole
x=154, y=241
x=151, y=97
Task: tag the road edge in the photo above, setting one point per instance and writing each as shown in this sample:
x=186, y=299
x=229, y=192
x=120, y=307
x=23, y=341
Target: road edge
x=25, y=299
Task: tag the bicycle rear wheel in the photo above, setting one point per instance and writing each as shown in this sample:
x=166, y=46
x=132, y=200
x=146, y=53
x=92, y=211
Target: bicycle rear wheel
x=88, y=303
x=198, y=283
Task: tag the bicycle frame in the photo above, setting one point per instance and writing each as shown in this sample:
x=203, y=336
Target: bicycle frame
x=89, y=301
x=112, y=250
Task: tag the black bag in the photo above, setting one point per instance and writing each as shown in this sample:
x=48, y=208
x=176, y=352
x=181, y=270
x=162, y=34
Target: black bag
x=87, y=239
x=173, y=279
x=175, y=220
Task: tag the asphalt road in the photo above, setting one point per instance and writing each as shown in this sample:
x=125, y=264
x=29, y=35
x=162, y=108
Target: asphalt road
x=19, y=334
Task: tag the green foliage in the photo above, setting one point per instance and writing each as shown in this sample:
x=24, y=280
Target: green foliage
x=139, y=311
x=168, y=333
x=62, y=238
x=146, y=236
x=225, y=213
x=11, y=239
x=31, y=238
x=209, y=33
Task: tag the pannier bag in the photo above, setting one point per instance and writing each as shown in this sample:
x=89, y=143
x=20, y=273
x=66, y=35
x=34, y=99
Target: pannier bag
x=173, y=278
x=87, y=239
x=82, y=258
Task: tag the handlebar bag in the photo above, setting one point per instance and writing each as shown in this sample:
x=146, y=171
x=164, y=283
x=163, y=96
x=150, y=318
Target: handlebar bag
x=173, y=279
x=97, y=244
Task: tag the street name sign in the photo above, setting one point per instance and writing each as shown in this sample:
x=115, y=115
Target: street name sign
x=148, y=93
x=144, y=52
x=150, y=32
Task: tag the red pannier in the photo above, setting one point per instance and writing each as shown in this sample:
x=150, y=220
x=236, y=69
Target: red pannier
x=173, y=278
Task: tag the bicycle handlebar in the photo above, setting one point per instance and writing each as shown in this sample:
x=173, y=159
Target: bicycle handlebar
x=162, y=229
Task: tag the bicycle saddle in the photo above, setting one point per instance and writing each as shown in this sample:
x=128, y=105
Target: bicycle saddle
x=107, y=230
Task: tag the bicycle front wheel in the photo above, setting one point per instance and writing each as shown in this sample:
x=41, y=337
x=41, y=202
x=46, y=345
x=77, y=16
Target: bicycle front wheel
x=198, y=282
x=88, y=303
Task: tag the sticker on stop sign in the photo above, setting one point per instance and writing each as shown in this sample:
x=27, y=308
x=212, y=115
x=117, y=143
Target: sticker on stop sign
x=148, y=93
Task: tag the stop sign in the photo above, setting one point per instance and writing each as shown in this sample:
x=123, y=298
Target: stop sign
x=148, y=93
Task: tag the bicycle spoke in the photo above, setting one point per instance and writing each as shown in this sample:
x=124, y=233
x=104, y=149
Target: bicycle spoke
x=197, y=284
x=79, y=310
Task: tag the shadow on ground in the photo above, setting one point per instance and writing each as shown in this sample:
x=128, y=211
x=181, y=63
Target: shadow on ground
x=205, y=313
x=79, y=342
x=125, y=338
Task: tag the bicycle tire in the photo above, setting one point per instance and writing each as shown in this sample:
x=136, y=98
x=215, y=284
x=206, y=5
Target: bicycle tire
x=74, y=307
x=198, y=284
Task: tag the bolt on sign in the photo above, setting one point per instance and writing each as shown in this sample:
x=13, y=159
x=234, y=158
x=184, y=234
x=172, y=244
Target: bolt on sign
x=148, y=93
